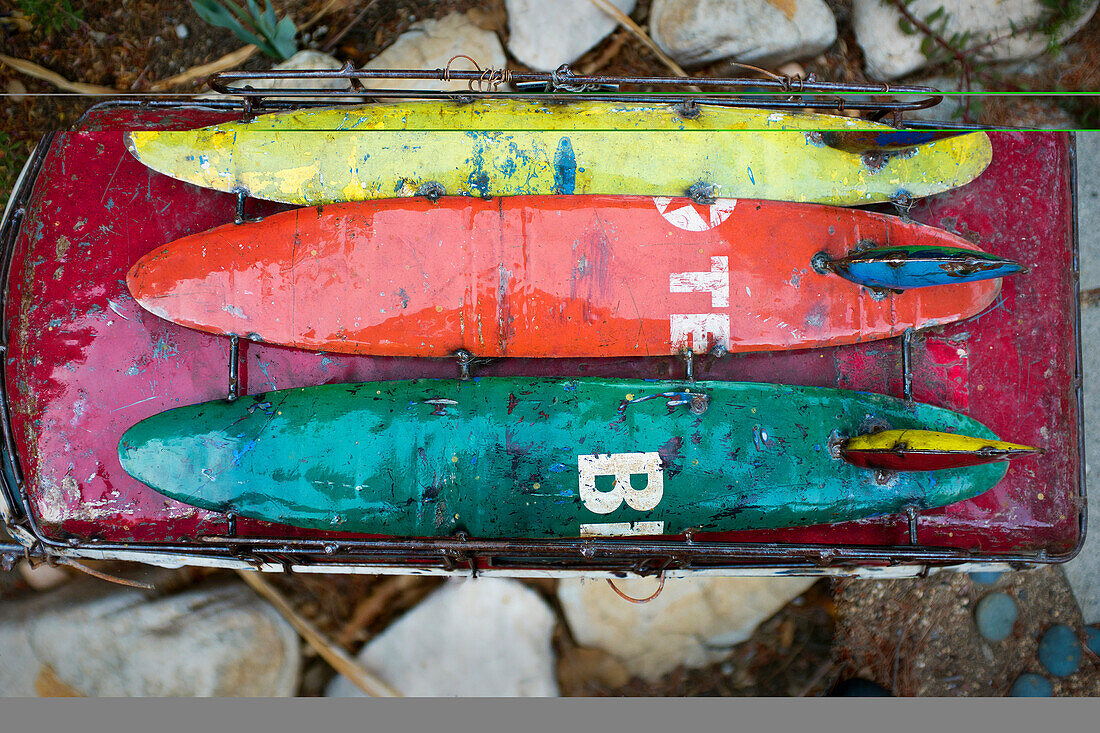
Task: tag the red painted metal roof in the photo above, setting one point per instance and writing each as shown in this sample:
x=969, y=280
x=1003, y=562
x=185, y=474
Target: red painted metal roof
x=85, y=362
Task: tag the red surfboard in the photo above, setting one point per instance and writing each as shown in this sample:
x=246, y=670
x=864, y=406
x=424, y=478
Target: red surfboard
x=545, y=276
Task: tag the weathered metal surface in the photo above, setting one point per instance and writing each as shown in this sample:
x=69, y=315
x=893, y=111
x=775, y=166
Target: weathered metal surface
x=903, y=267
x=85, y=363
x=555, y=276
x=541, y=458
x=562, y=83
x=927, y=450
x=503, y=147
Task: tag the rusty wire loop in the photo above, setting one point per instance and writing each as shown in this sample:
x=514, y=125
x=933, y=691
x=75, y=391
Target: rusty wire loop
x=489, y=81
x=647, y=599
x=559, y=77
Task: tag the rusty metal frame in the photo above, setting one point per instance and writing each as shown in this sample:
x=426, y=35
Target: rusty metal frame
x=486, y=83
x=470, y=555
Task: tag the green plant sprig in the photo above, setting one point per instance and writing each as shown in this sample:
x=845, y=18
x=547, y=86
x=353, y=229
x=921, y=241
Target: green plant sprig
x=274, y=37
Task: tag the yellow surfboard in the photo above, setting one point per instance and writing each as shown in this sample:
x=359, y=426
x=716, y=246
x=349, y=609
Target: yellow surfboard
x=503, y=147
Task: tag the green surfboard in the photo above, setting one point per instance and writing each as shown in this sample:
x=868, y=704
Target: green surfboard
x=542, y=458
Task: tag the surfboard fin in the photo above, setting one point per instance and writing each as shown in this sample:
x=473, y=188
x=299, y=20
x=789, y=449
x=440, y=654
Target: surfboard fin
x=916, y=266
x=866, y=141
x=927, y=450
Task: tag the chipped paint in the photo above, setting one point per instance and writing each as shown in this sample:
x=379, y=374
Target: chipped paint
x=478, y=456
x=548, y=276
x=511, y=147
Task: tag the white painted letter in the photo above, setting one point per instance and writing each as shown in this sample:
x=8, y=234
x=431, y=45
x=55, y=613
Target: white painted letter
x=622, y=529
x=692, y=330
x=621, y=466
x=716, y=282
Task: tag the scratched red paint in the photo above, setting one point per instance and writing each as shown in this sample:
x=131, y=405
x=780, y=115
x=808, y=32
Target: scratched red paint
x=85, y=361
x=948, y=360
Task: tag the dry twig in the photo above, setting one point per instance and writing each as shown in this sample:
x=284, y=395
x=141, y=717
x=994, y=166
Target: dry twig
x=338, y=658
x=229, y=61
x=40, y=72
x=640, y=34
x=331, y=43
x=369, y=609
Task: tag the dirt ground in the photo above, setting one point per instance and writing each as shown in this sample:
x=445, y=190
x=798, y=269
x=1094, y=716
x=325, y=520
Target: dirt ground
x=915, y=637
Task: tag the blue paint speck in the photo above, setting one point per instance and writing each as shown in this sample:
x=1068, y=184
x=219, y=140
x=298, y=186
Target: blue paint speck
x=753, y=180
x=565, y=167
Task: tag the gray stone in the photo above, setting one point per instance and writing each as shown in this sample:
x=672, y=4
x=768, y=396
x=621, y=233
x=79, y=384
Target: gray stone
x=485, y=637
x=1083, y=572
x=889, y=52
x=430, y=44
x=19, y=667
x=694, y=621
x=217, y=640
x=768, y=32
x=996, y=616
x=544, y=35
x=1088, y=211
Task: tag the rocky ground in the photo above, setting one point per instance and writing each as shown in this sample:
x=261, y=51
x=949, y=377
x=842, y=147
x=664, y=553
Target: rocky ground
x=63, y=633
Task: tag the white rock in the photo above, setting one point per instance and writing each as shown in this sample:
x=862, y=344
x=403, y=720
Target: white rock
x=889, y=52
x=485, y=637
x=950, y=108
x=103, y=640
x=768, y=32
x=182, y=31
x=17, y=90
x=42, y=577
x=544, y=35
x=692, y=622
x=430, y=44
x=308, y=60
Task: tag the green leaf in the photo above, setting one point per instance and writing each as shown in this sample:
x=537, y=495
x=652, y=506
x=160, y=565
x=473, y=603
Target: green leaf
x=906, y=27
x=926, y=47
x=277, y=41
x=283, y=38
x=213, y=13
x=931, y=17
x=237, y=10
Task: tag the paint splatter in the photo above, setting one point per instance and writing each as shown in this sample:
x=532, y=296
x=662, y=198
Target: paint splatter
x=565, y=167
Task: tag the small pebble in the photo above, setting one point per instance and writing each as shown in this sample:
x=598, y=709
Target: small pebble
x=181, y=31
x=996, y=615
x=986, y=577
x=1092, y=639
x=17, y=90
x=1031, y=685
x=1059, y=650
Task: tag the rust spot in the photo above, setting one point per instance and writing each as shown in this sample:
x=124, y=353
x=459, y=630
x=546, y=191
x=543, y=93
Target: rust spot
x=672, y=461
x=787, y=7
